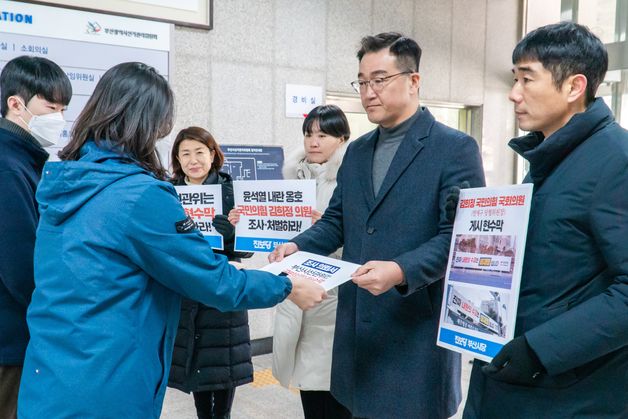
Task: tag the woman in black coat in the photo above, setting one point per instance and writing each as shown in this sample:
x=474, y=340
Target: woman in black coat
x=212, y=351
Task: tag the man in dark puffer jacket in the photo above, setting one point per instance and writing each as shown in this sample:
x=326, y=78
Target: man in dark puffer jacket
x=569, y=357
x=34, y=93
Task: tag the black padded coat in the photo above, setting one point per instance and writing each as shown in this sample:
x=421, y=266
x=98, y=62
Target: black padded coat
x=212, y=350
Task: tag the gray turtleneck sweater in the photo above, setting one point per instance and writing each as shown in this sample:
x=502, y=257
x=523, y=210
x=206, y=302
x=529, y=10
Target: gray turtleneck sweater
x=387, y=144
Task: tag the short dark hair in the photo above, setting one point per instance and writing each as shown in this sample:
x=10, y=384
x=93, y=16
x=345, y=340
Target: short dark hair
x=331, y=120
x=566, y=49
x=202, y=136
x=28, y=76
x=406, y=50
x=131, y=108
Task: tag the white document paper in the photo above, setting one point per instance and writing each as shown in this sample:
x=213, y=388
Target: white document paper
x=484, y=270
x=326, y=271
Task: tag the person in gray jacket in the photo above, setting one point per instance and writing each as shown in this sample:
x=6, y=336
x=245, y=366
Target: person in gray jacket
x=569, y=357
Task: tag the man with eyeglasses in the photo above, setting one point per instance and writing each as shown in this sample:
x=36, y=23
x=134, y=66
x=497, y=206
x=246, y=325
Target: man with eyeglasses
x=388, y=211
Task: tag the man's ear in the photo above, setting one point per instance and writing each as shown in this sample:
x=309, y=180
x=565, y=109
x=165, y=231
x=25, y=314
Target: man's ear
x=15, y=105
x=415, y=79
x=577, y=85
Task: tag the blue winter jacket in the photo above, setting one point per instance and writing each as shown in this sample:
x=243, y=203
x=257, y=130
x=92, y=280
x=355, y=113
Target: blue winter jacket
x=112, y=257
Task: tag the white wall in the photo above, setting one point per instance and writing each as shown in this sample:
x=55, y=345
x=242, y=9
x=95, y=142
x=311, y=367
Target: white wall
x=541, y=12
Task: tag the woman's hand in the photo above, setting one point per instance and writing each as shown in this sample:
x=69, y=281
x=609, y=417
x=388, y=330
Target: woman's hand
x=306, y=293
x=316, y=215
x=234, y=216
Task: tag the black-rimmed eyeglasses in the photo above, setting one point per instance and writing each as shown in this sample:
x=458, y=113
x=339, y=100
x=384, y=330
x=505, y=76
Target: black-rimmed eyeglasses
x=377, y=84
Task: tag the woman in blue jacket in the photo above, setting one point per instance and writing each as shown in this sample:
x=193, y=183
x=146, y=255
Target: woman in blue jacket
x=113, y=254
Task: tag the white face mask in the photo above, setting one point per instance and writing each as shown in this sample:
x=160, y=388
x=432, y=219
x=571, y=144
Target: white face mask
x=47, y=129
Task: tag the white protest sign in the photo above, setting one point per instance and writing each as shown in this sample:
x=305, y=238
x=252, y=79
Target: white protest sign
x=484, y=270
x=272, y=212
x=201, y=203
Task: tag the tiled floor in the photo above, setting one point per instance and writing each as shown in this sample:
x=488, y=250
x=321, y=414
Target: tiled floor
x=264, y=398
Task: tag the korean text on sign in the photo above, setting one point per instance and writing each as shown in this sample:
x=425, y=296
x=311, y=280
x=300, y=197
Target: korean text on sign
x=272, y=212
x=201, y=203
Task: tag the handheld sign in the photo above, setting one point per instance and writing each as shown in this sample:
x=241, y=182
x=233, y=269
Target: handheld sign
x=484, y=270
x=201, y=203
x=272, y=212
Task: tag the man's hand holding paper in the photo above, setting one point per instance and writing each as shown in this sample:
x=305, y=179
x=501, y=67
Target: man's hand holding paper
x=378, y=276
x=282, y=251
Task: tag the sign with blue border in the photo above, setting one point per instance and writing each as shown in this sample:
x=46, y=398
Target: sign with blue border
x=482, y=281
x=272, y=212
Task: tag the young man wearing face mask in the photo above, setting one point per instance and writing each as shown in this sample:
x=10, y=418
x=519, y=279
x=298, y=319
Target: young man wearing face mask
x=34, y=93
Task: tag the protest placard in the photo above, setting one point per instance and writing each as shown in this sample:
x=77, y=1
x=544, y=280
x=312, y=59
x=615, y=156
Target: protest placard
x=201, y=203
x=484, y=270
x=272, y=212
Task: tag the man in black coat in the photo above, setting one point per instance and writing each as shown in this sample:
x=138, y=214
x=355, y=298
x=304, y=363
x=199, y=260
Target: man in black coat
x=569, y=357
x=34, y=92
x=388, y=210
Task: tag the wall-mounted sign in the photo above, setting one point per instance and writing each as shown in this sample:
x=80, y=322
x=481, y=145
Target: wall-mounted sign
x=301, y=99
x=192, y=13
x=83, y=44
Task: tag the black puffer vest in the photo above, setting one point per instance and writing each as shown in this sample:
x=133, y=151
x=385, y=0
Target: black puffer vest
x=212, y=350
